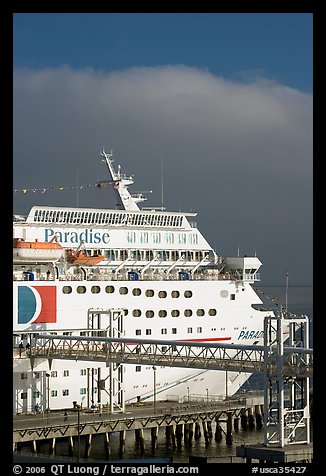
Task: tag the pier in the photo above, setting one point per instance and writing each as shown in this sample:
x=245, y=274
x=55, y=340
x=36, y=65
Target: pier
x=181, y=423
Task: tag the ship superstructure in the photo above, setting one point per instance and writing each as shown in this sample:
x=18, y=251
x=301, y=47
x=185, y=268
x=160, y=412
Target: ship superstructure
x=154, y=268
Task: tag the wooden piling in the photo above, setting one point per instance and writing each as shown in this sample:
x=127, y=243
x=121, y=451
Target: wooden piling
x=52, y=446
x=70, y=445
x=122, y=439
x=218, y=431
x=179, y=433
x=106, y=437
x=197, y=431
x=205, y=432
x=88, y=445
x=251, y=419
x=191, y=433
x=259, y=418
x=186, y=434
x=172, y=433
x=154, y=432
x=229, y=437
x=209, y=430
x=236, y=423
x=244, y=419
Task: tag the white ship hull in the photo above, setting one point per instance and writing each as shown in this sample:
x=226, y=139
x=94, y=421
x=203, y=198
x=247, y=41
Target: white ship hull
x=235, y=322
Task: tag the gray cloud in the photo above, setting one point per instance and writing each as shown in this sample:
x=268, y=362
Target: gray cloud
x=239, y=153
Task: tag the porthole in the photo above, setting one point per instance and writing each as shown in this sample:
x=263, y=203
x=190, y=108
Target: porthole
x=188, y=294
x=66, y=289
x=81, y=289
x=162, y=294
x=175, y=294
x=175, y=313
x=149, y=314
x=95, y=289
x=123, y=290
x=136, y=312
x=136, y=292
x=109, y=289
x=149, y=293
x=188, y=312
x=162, y=313
x=200, y=312
x=212, y=312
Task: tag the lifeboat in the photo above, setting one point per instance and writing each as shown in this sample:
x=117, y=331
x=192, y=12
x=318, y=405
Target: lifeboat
x=36, y=251
x=80, y=257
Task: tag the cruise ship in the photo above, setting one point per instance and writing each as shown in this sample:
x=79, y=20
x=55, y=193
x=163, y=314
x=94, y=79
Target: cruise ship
x=155, y=268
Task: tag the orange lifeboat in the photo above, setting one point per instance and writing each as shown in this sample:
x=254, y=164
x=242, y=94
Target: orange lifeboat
x=36, y=251
x=80, y=257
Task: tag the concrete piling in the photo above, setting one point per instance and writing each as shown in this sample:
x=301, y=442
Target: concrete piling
x=229, y=437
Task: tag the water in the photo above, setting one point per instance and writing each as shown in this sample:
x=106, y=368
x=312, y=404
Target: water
x=300, y=301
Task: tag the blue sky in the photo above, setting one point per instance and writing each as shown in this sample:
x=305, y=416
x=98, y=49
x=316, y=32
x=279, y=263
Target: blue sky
x=224, y=99
x=276, y=45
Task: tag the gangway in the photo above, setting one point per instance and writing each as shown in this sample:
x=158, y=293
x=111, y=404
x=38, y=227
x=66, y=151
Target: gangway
x=282, y=365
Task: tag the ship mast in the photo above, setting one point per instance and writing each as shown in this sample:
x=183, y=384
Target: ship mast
x=120, y=184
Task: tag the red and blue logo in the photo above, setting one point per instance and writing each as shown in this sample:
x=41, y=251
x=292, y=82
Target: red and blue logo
x=37, y=304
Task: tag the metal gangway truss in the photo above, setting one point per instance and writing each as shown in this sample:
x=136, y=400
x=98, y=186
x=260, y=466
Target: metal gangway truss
x=282, y=365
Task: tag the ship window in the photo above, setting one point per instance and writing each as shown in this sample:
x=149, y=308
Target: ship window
x=175, y=313
x=123, y=290
x=95, y=289
x=200, y=312
x=81, y=289
x=164, y=331
x=162, y=294
x=149, y=293
x=188, y=312
x=199, y=330
x=212, y=312
x=136, y=312
x=82, y=391
x=149, y=313
x=54, y=373
x=126, y=312
x=109, y=289
x=66, y=373
x=136, y=292
x=54, y=393
x=175, y=294
x=23, y=376
x=65, y=392
x=82, y=371
x=138, y=332
x=232, y=297
x=138, y=369
x=189, y=330
x=148, y=332
x=162, y=313
x=224, y=293
x=188, y=294
x=66, y=289
x=23, y=395
x=174, y=330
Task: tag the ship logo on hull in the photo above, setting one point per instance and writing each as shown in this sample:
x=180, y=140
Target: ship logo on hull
x=37, y=304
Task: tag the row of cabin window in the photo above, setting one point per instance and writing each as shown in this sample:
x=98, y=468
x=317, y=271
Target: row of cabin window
x=54, y=393
x=148, y=255
x=104, y=218
x=124, y=290
x=137, y=292
x=148, y=332
x=54, y=373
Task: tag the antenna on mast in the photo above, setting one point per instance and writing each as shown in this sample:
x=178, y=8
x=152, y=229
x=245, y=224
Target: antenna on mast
x=162, y=188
